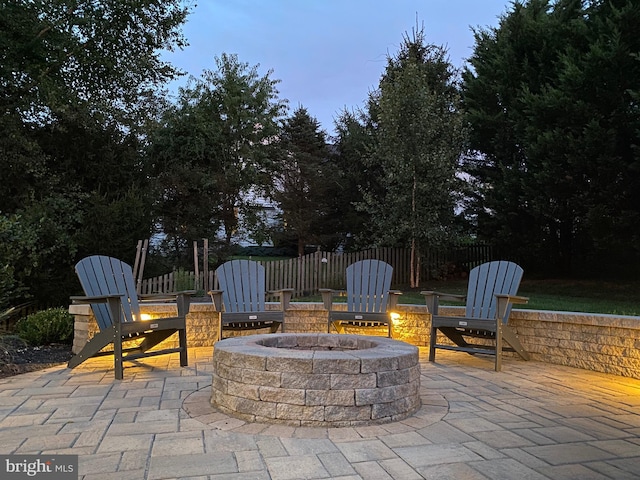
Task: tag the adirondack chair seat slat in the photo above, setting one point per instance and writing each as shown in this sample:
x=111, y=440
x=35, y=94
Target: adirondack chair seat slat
x=240, y=299
x=370, y=300
x=490, y=295
x=109, y=288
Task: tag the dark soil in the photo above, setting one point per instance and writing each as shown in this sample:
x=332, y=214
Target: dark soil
x=17, y=357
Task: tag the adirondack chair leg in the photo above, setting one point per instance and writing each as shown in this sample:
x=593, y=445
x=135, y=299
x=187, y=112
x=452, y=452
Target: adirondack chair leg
x=117, y=357
x=337, y=325
x=510, y=337
x=499, y=343
x=182, y=338
x=92, y=347
x=275, y=326
x=114, y=305
x=432, y=344
x=219, y=325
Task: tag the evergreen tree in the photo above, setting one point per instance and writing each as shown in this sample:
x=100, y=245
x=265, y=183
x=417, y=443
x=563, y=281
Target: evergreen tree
x=303, y=179
x=354, y=143
x=552, y=98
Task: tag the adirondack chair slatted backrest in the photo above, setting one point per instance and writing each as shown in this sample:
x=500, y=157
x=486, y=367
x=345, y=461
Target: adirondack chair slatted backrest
x=243, y=286
x=368, y=285
x=101, y=275
x=487, y=280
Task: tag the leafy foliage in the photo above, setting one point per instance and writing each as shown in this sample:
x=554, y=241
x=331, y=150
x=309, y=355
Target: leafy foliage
x=212, y=148
x=419, y=140
x=552, y=99
x=16, y=244
x=303, y=179
x=53, y=325
x=354, y=143
x=76, y=81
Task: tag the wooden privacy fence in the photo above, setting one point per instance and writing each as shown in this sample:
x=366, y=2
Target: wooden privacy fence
x=327, y=270
x=308, y=273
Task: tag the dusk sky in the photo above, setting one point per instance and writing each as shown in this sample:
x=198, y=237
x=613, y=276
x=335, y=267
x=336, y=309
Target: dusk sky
x=328, y=54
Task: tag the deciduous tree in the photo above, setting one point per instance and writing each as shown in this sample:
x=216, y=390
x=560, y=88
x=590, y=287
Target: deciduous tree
x=419, y=141
x=73, y=77
x=213, y=148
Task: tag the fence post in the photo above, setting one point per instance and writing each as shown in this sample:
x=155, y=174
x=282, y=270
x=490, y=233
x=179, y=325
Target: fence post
x=205, y=265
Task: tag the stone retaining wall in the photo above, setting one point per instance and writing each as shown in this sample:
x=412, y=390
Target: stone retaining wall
x=598, y=342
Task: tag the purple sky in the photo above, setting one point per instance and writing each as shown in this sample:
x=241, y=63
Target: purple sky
x=328, y=54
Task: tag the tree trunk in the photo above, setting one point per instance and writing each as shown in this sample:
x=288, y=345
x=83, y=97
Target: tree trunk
x=229, y=219
x=414, y=272
x=412, y=264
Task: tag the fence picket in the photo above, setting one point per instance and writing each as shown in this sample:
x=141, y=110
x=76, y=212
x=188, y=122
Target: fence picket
x=308, y=273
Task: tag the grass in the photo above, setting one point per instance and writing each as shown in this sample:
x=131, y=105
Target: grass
x=617, y=298
x=258, y=258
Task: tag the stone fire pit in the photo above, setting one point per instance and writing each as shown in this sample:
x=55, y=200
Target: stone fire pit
x=316, y=379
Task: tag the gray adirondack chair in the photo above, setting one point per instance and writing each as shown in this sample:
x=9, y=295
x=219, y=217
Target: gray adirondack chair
x=240, y=300
x=110, y=289
x=490, y=295
x=369, y=297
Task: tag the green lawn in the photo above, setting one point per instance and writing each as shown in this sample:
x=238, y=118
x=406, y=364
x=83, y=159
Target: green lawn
x=620, y=298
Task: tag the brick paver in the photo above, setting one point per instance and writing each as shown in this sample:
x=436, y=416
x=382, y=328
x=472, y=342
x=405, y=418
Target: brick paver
x=530, y=421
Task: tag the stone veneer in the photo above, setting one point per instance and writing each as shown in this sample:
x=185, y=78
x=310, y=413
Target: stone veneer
x=598, y=342
x=319, y=380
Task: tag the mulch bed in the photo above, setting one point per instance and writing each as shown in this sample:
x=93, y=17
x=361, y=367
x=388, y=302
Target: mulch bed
x=17, y=358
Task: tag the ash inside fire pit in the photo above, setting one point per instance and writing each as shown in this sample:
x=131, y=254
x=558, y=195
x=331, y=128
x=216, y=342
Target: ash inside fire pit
x=316, y=379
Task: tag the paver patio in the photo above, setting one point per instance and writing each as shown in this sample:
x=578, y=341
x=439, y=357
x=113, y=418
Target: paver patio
x=530, y=421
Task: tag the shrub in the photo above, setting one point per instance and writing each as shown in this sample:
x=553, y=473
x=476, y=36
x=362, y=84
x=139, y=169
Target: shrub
x=183, y=280
x=53, y=325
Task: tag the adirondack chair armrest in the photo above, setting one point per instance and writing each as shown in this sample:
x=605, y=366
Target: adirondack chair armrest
x=114, y=303
x=327, y=297
x=80, y=299
x=285, y=295
x=216, y=298
x=513, y=298
x=432, y=299
x=183, y=302
x=148, y=297
x=328, y=294
x=182, y=299
x=503, y=302
x=394, y=296
x=446, y=296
